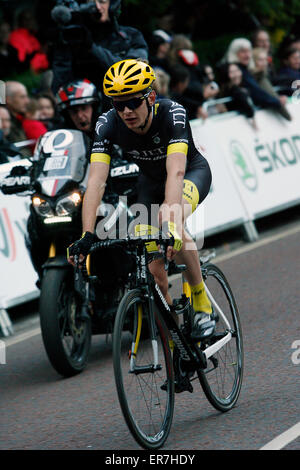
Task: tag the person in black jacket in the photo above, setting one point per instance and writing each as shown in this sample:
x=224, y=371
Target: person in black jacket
x=105, y=43
x=230, y=77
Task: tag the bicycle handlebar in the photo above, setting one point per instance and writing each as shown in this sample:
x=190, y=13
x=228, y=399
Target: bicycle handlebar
x=161, y=240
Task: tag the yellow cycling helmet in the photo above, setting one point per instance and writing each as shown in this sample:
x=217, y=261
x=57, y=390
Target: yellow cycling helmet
x=126, y=77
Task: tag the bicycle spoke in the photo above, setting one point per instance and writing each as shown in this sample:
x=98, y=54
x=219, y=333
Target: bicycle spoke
x=146, y=407
x=222, y=382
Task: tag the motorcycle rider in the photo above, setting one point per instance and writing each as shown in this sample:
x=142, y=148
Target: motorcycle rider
x=79, y=105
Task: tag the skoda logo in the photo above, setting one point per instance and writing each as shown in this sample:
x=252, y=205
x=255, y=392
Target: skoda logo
x=243, y=165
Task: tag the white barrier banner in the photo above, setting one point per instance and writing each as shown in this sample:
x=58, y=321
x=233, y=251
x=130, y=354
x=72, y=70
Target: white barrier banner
x=17, y=276
x=264, y=163
x=222, y=208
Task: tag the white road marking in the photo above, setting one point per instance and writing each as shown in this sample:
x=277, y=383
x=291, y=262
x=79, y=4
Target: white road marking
x=283, y=439
x=22, y=337
x=257, y=244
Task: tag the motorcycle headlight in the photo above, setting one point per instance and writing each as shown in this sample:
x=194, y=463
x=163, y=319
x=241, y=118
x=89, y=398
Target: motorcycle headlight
x=42, y=207
x=68, y=204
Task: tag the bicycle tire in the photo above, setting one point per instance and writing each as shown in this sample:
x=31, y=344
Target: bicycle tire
x=150, y=432
x=223, y=396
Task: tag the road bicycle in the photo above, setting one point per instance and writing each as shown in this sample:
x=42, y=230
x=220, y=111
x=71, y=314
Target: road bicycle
x=151, y=348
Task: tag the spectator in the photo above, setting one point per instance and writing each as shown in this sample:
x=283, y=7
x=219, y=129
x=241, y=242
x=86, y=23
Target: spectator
x=290, y=70
x=208, y=72
x=48, y=111
x=25, y=41
x=261, y=39
x=159, y=46
x=240, y=52
x=260, y=73
x=16, y=101
x=179, y=42
x=103, y=42
x=9, y=62
x=5, y=120
x=179, y=82
x=210, y=91
x=8, y=151
x=181, y=53
x=32, y=126
x=230, y=76
x=161, y=83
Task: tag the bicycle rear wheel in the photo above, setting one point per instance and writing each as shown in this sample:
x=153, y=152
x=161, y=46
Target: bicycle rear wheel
x=222, y=380
x=141, y=366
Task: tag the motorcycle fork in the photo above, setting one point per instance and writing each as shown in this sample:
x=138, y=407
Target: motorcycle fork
x=52, y=250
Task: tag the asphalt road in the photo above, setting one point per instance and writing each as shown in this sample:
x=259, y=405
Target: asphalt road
x=40, y=410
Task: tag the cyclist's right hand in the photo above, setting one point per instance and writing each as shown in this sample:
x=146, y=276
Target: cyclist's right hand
x=80, y=248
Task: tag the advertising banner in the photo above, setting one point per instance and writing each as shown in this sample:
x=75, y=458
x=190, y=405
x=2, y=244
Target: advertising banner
x=264, y=163
x=223, y=207
x=17, y=276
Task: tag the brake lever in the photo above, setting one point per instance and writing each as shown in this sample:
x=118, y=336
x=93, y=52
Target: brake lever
x=164, y=246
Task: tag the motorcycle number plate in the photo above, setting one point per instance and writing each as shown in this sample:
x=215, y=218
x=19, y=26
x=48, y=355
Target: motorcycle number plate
x=55, y=163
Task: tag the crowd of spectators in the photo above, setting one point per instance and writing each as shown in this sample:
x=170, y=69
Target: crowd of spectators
x=249, y=74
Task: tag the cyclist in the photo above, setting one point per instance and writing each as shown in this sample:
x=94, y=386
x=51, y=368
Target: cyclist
x=173, y=174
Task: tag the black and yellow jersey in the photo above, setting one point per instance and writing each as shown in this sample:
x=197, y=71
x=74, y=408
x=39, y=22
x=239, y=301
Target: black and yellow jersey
x=169, y=132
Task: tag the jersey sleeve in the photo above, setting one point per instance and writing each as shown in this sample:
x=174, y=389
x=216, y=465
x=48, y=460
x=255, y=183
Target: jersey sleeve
x=177, y=129
x=101, y=151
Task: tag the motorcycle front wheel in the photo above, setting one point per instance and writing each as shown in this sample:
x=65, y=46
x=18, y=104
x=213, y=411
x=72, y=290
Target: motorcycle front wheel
x=67, y=339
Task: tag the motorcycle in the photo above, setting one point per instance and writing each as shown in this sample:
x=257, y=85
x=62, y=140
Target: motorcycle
x=73, y=306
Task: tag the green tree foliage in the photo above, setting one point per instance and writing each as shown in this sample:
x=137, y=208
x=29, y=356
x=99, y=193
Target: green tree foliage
x=274, y=13
x=144, y=13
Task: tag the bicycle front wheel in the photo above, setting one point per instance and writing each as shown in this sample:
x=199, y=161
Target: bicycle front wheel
x=222, y=380
x=142, y=365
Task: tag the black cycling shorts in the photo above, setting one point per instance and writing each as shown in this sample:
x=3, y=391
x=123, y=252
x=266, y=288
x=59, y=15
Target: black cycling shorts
x=197, y=182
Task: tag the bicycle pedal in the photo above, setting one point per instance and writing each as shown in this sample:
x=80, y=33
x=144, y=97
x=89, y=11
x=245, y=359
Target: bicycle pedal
x=184, y=385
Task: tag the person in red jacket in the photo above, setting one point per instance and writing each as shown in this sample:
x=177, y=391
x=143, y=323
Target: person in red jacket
x=33, y=128
x=25, y=41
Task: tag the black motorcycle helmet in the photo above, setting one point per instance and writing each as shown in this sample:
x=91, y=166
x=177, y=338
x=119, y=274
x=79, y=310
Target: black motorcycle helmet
x=80, y=91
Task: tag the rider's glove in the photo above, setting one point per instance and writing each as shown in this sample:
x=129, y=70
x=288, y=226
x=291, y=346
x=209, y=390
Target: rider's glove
x=169, y=228
x=82, y=246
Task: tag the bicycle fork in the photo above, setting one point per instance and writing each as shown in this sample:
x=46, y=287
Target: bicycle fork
x=138, y=320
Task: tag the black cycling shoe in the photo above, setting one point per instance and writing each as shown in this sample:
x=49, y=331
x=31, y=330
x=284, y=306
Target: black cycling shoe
x=204, y=326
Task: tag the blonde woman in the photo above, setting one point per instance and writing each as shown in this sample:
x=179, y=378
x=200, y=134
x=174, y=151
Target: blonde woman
x=240, y=52
x=260, y=73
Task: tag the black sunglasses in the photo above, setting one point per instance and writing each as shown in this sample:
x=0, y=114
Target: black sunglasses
x=132, y=104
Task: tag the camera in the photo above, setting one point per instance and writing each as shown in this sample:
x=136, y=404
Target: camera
x=69, y=16
x=69, y=11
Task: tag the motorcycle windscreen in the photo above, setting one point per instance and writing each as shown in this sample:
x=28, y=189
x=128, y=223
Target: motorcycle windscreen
x=62, y=157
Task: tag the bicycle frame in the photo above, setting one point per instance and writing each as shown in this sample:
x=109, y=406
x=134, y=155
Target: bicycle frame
x=196, y=357
x=145, y=280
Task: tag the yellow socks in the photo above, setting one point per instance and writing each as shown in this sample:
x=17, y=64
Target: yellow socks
x=201, y=302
